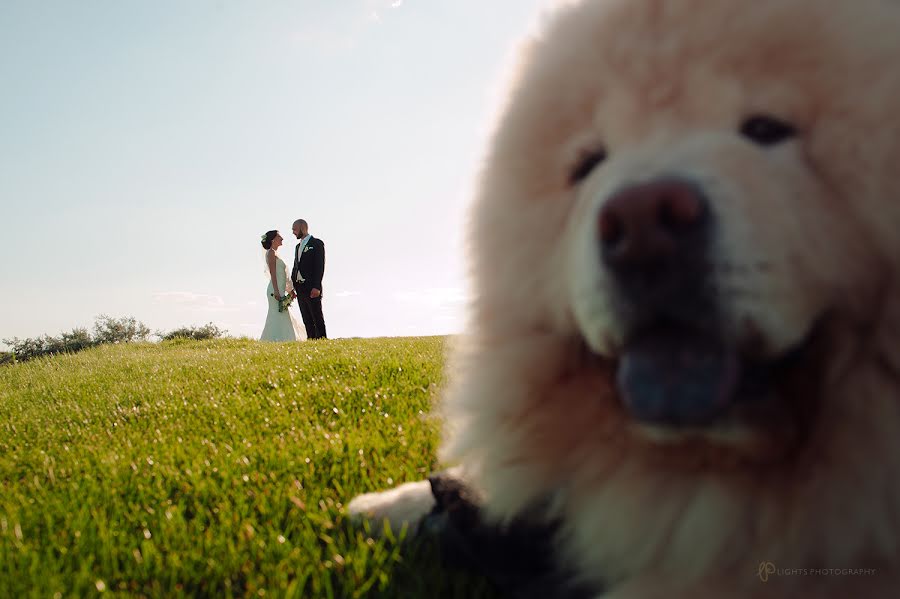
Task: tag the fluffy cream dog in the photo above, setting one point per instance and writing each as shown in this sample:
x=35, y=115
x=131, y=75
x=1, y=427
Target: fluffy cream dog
x=686, y=250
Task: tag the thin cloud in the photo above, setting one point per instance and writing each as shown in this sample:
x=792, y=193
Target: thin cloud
x=340, y=33
x=200, y=302
x=433, y=296
x=187, y=298
x=375, y=8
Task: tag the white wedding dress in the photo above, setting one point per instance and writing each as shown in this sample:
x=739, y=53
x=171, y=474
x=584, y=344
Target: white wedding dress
x=280, y=326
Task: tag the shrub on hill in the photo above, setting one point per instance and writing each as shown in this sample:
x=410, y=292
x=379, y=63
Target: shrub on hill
x=207, y=331
x=119, y=330
x=106, y=330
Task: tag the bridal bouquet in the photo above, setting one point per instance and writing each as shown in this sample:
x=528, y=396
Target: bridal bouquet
x=284, y=302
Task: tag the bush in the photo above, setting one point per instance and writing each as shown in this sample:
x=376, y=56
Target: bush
x=25, y=349
x=28, y=349
x=106, y=330
x=207, y=331
x=119, y=330
x=73, y=341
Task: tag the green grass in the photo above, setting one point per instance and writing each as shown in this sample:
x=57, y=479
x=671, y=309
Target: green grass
x=217, y=469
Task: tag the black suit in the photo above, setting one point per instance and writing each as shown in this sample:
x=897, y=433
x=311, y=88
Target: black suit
x=310, y=266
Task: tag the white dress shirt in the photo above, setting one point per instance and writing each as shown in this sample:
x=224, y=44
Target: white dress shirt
x=300, y=248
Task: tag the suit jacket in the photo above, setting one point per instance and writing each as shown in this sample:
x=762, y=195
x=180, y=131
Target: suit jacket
x=310, y=265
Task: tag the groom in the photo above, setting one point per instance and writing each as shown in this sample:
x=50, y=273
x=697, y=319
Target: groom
x=309, y=267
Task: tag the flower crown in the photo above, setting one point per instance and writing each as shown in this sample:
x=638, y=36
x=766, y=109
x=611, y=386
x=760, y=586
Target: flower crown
x=264, y=237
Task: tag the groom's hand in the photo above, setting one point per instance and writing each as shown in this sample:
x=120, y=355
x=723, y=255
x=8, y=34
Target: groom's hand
x=315, y=293
x=293, y=293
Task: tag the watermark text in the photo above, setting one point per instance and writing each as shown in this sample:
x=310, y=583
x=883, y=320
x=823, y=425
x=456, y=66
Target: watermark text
x=769, y=570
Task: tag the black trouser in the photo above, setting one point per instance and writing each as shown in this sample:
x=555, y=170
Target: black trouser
x=311, y=311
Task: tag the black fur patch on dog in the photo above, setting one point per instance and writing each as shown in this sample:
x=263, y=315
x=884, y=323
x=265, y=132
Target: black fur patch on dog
x=518, y=558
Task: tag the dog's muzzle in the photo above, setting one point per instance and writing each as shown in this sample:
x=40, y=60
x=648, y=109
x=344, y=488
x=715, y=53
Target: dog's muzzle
x=674, y=368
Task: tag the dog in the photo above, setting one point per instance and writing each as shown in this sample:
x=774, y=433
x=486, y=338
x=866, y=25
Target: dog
x=686, y=323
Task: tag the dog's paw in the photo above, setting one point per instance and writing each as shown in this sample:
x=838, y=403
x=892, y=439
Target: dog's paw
x=405, y=505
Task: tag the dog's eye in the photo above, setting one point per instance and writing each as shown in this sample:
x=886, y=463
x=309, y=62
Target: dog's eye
x=586, y=164
x=766, y=130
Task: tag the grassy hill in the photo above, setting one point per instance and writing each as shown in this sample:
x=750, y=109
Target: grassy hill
x=215, y=469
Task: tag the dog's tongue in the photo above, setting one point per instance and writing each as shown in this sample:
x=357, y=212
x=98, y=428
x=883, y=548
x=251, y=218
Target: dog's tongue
x=677, y=379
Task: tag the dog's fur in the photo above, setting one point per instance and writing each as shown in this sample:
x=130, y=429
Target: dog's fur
x=806, y=251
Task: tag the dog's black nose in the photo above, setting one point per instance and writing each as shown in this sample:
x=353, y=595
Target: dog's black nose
x=653, y=239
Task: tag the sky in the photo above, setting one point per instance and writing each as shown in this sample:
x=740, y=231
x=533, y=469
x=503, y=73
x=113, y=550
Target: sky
x=146, y=146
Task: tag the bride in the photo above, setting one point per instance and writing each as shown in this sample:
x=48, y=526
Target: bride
x=280, y=326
